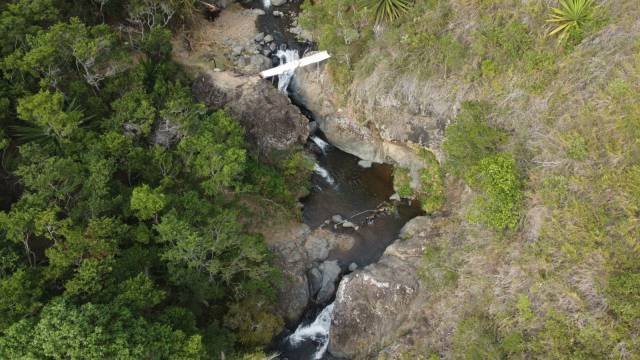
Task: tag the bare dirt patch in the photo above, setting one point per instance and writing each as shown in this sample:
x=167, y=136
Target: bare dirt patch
x=203, y=43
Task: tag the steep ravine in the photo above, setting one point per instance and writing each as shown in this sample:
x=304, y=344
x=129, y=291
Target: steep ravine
x=352, y=221
x=349, y=219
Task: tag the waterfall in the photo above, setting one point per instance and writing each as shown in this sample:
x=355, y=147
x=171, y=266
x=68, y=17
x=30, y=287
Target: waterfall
x=317, y=331
x=266, y=3
x=324, y=173
x=286, y=56
x=323, y=145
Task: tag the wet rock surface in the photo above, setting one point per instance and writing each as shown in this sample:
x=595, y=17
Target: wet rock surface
x=301, y=254
x=330, y=272
x=371, y=303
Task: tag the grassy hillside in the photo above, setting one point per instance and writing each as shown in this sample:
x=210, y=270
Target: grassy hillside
x=541, y=260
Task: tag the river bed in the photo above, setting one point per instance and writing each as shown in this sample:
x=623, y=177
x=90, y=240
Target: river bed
x=342, y=186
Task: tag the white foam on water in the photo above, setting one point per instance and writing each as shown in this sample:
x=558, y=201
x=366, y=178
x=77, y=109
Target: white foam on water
x=323, y=145
x=286, y=56
x=317, y=331
x=324, y=173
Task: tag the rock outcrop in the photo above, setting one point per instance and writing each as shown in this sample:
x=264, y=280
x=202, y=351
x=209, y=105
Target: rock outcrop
x=301, y=254
x=391, y=141
x=371, y=303
x=330, y=271
x=271, y=121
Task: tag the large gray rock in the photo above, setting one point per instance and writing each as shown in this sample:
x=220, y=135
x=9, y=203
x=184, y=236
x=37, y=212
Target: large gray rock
x=330, y=272
x=321, y=241
x=278, y=2
x=317, y=247
x=371, y=303
x=256, y=64
x=312, y=87
x=315, y=281
x=286, y=241
x=270, y=120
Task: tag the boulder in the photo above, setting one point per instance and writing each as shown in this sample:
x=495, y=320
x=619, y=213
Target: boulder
x=286, y=241
x=349, y=224
x=330, y=272
x=321, y=241
x=313, y=127
x=293, y=295
x=271, y=121
x=371, y=303
x=278, y=2
x=236, y=50
x=315, y=281
x=312, y=87
x=257, y=63
x=317, y=247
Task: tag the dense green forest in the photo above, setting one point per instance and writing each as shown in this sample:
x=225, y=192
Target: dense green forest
x=123, y=231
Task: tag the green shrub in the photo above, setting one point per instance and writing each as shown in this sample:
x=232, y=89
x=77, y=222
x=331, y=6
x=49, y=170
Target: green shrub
x=147, y=202
x=499, y=204
x=432, y=189
x=502, y=40
x=571, y=19
x=476, y=338
x=436, y=270
x=342, y=29
x=429, y=53
x=402, y=182
x=623, y=292
x=470, y=138
x=577, y=149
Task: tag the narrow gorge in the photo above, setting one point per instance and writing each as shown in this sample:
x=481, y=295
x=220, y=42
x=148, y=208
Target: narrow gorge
x=423, y=179
x=338, y=260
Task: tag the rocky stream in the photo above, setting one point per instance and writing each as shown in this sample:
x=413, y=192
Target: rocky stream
x=352, y=212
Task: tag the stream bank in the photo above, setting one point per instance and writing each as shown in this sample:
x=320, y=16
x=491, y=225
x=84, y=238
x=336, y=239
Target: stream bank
x=348, y=219
x=350, y=204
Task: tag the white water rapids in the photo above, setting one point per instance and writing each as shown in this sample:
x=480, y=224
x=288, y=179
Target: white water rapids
x=323, y=145
x=317, y=331
x=286, y=56
x=324, y=173
x=266, y=3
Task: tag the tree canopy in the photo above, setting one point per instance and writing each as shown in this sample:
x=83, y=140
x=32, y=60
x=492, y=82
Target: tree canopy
x=123, y=235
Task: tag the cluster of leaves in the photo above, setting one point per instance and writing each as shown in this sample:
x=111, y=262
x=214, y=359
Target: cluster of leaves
x=125, y=237
x=402, y=182
x=429, y=189
x=472, y=150
x=390, y=10
x=571, y=19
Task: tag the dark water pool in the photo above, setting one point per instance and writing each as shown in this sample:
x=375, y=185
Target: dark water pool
x=356, y=194
x=351, y=193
